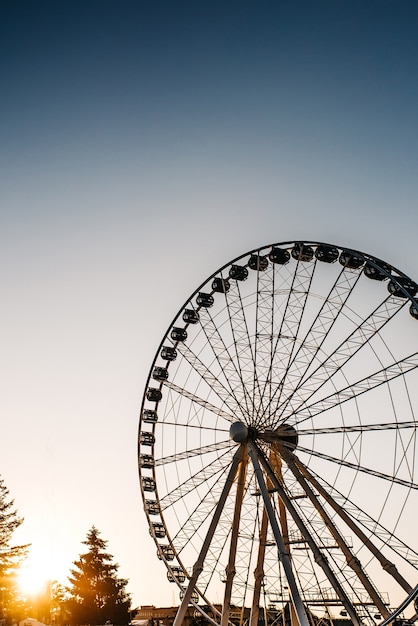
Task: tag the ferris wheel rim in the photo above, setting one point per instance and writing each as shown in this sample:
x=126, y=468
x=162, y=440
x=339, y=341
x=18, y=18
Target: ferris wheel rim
x=390, y=272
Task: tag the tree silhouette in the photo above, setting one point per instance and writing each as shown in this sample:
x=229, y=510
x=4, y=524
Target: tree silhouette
x=97, y=595
x=10, y=556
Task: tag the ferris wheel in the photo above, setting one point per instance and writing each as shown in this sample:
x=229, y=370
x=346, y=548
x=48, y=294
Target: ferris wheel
x=278, y=440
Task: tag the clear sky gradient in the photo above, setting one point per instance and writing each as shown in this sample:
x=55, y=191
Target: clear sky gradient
x=142, y=146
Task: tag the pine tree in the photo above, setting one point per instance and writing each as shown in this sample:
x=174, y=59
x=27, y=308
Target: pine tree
x=10, y=556
x=97, y=595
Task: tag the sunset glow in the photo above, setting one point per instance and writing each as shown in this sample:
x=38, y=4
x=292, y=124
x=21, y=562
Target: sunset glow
x=34, y=579
x=35, y=574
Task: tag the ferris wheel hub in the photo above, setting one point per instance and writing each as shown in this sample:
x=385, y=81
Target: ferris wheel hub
x=238, y=432
x=286, y=435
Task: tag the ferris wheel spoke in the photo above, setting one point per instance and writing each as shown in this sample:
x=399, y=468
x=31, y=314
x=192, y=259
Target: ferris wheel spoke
x=264, y=337
x=197, y=400
x=381, y=377
x=345, y=351
x=226, y=362
x=212, y=429
x=243, y=349
x=290, y=324
x=205, y=475
x=271, y=336
x=197, y=517
x=361, y=428
x=215, y=384
x=214, y=559
x=358, y=468
x=187, y=454
x=319, y=330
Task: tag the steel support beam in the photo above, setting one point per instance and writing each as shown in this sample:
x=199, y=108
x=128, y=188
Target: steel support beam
x=230, y=570
x=283, y=554
x=351, y=559
x=319, y=557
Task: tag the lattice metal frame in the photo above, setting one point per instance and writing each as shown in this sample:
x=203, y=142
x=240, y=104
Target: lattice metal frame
x=320, y=364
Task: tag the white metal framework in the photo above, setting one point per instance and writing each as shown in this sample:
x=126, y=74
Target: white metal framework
x=278, y=439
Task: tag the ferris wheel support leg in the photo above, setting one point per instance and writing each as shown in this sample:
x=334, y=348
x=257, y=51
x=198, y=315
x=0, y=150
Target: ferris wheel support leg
x=198, y=566
x=351, y=559
x=283, y=554
x=387, y=565
x=318, y=556
x=230, y=570
x=258, y=572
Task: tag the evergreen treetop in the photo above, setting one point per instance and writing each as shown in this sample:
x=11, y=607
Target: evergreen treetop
x=97, y=594
x=10, y=556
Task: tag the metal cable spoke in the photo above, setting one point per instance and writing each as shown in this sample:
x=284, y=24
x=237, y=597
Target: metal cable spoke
x=343, y=353
x=360, y=428
x=187, y=454
x=241, y=338
x=227, y=364
x=359, y=468
x=368, y=383
x=203, y=403
x=264, y=336
x=195, y=481
x=212, y=429
x=303, y=296
x=198, y=516
x=321, y=326
x=290, y=323
x=206, y=375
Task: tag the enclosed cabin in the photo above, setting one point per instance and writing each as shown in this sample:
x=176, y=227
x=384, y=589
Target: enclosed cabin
x=168, y=353
x=238, y=272
x=190, y=316
x=176, y=575
x=154, y=395
x=160, y=373
x=152, y=507
x=221, y=285
x=194, y=598
x=352, y=260
x=302, y=252
x=413, y=309
x=146, y=439
x=401, y=284
x=258, y=262
x=279, y=256
x=178, y=334
x=204, y=300
x=167, y=552
x=149, y=416
x=158, y=530
x=148, y=484
x=326, y=253
x=146, y=461
x=376, y=270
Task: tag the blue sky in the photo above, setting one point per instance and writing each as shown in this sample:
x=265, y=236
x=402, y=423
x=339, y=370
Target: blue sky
x=143, y=145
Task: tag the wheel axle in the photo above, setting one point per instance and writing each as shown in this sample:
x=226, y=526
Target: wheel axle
x=285, y=434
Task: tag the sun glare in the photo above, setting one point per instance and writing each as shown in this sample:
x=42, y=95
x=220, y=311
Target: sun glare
x=34, y=578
